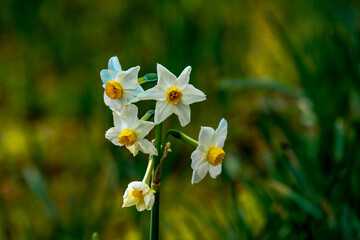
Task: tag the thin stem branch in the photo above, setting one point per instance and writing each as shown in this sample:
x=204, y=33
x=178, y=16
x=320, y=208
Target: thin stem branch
x=149, y=169
x=148, y=115
x=150, y=77
x=180, y=135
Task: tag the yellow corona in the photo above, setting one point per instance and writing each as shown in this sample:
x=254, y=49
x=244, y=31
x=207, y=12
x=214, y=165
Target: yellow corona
x=215, y=156
x=113, y=89
x=127, y=137
x=173, y=95
x=138, y=195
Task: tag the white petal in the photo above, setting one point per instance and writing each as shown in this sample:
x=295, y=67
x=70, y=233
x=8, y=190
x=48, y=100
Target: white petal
x=151, y=203
x=129, y=201
x=126, y=194
x=206, y=136
x=114, y=64
x=112, y=135
x=220, y=134
x=183, y=79
x=166, y=78
x=130, y=80
x=196, y=162
x=118, y=121
x=203, y=169
x=109, y=102
x=203, y=148
x=120, y=76
x=195, y=177
x=183, y=112
x=197, y=156
x=146, y=146
x=118, y=104
x=129, y=114
x=147, y=198
x=200, y=173
x=144, y=128
x=155, y=93
x=141, y=206
x=131, y=95
x=145, y=188
x=107, y=75
x=138, y=185
x=134, y=149
x=163, y=110
x=214, y=171
x=192, y=95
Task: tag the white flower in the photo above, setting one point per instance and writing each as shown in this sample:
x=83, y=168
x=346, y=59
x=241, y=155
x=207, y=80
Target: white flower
x=209, y=155
x=173, y=95
x=139, y=194
x=120, y=86
x=130, y=131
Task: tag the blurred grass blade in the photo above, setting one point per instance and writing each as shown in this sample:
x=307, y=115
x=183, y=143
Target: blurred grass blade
x=37, y=185
x=95, y=236
x=301, y=201
x=258, y=83
x=339, y=139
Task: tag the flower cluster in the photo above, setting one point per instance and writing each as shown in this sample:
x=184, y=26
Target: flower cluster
x=172, y=94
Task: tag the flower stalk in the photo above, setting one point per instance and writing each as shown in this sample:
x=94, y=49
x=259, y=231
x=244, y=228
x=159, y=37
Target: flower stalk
x=155, y=184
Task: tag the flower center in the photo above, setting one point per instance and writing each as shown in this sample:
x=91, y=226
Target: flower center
x=113, y=89
x=215, y=156
x=173, y=95
x=127, y=137
x=138, y=196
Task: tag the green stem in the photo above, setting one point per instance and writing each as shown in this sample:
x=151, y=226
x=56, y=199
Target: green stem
x=149, y=169
x=180, y=135
x=154, y=224
x=148, y=115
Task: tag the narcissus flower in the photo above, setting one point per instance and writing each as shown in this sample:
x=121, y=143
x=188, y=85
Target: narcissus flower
x=120, y=86
x=130, y=131
x=209, y=154
x=139, y=194
x=173, y=95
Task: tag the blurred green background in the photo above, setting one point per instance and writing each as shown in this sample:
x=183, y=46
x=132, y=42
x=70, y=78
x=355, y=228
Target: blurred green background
x=285, y=74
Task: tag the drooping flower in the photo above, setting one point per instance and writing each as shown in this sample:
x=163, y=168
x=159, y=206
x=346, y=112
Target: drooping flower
x=139, y=194
x=128, y=130
x=209, y=154
x=173, y=95
x=120, y=86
